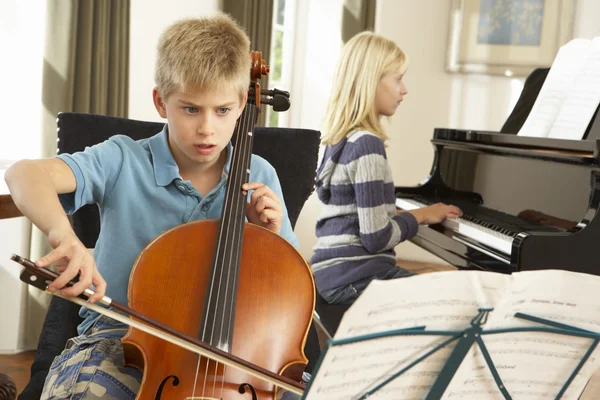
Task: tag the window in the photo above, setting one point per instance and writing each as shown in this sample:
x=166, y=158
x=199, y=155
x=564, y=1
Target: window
x=281, y=55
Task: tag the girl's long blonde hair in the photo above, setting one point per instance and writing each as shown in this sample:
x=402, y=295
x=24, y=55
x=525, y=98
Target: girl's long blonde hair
x=363, y=61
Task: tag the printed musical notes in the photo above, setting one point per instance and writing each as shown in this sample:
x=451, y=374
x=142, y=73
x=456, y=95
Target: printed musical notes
x=570, y=94
x=532, y=365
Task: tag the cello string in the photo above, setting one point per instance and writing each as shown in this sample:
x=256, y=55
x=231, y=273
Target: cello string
x=224, y=238
x=243, y=175
x=220, y=244
x=238, y=227
x=236, y=175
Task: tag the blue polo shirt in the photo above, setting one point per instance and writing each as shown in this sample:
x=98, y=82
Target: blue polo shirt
x=140, y=194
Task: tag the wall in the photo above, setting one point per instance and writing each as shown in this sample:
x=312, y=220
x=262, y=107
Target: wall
x=148, y=19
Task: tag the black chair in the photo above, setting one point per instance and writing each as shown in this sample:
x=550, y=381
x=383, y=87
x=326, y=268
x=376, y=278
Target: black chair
x=292, y=152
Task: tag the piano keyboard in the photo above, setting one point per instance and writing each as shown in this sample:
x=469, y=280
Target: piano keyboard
x=486, y=236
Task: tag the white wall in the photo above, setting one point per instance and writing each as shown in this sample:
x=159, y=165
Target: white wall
x=587, y=15
x=148, y=19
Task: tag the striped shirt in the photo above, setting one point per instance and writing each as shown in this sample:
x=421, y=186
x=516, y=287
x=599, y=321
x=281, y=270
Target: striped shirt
x=358, y=227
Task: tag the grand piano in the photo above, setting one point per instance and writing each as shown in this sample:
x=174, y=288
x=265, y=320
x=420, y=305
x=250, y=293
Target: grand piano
x=528, y=203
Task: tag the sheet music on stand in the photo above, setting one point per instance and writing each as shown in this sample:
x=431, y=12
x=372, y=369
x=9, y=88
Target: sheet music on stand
x=570, y=94
x=465, y=335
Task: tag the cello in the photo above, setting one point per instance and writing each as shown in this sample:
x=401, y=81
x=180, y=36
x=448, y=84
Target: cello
x=235, y=286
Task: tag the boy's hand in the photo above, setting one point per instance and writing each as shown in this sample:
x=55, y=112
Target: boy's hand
x=70, y=258
x=436, y=213
x=264, y=208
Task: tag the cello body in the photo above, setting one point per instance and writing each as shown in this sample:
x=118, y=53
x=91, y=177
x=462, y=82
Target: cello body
x=273, y=310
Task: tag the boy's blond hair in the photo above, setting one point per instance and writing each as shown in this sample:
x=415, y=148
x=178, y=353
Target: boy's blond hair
x=363, y=61
x=199, y=54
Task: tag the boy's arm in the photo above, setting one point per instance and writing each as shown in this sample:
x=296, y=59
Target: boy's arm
x=34, y=187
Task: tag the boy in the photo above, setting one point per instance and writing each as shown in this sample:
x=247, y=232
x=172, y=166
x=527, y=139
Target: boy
x=144, y=188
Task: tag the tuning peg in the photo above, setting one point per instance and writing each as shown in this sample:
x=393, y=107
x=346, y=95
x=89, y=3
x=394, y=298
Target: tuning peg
x=275, y=92
x=279, y=102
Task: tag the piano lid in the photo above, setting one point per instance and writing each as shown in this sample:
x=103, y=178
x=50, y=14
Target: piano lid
x=586, y=152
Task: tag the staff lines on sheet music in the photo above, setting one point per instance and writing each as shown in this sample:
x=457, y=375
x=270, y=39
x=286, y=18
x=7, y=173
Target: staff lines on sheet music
x=390, y=389
x=491, y=341
x=536, y=353
x=343, y=385
x=490, y=379
x=394, y=364
x=441, y=351
x=399, y=323
x=387, y=389
x=558, y=318
x=388, y=350
x=421, y=304
x=463, y=393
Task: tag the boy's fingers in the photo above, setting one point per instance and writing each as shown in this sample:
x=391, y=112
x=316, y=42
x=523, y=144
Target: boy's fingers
x=252, y=185
x=260, y=190
x=51, y=257
x=259, y=193
x=85, y=281
x=100, y=287
x=266, y=202
x=68, y=274
x=270, y=216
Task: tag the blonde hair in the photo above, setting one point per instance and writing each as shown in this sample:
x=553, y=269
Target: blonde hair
x=207, y=53
x=364, y=60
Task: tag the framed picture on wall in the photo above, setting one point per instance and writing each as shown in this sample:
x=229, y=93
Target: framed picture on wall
x=507, y=37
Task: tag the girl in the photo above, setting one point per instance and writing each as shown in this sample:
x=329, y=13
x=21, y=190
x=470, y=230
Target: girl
x=359, y=225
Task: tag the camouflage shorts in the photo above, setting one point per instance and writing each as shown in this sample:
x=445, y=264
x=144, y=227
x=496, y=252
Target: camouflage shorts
x=91, y=366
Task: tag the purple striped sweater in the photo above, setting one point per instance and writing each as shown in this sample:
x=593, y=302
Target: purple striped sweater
x=358, y=227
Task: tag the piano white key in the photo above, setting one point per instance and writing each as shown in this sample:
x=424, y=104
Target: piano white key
x=483, y=235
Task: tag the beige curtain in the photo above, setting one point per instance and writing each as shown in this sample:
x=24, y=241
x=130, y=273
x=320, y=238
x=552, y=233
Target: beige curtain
x=357, y=16
x=256, y=17
x=86, y=69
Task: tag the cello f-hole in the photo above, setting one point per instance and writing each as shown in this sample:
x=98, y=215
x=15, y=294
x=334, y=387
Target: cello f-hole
x=163, y=383
x=242, y=390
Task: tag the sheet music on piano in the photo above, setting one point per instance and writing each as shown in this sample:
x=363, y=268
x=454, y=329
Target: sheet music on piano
x=532, y=365
x=582, y=99
x=570, y=94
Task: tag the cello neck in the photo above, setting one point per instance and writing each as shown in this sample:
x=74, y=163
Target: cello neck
x=219, y=307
